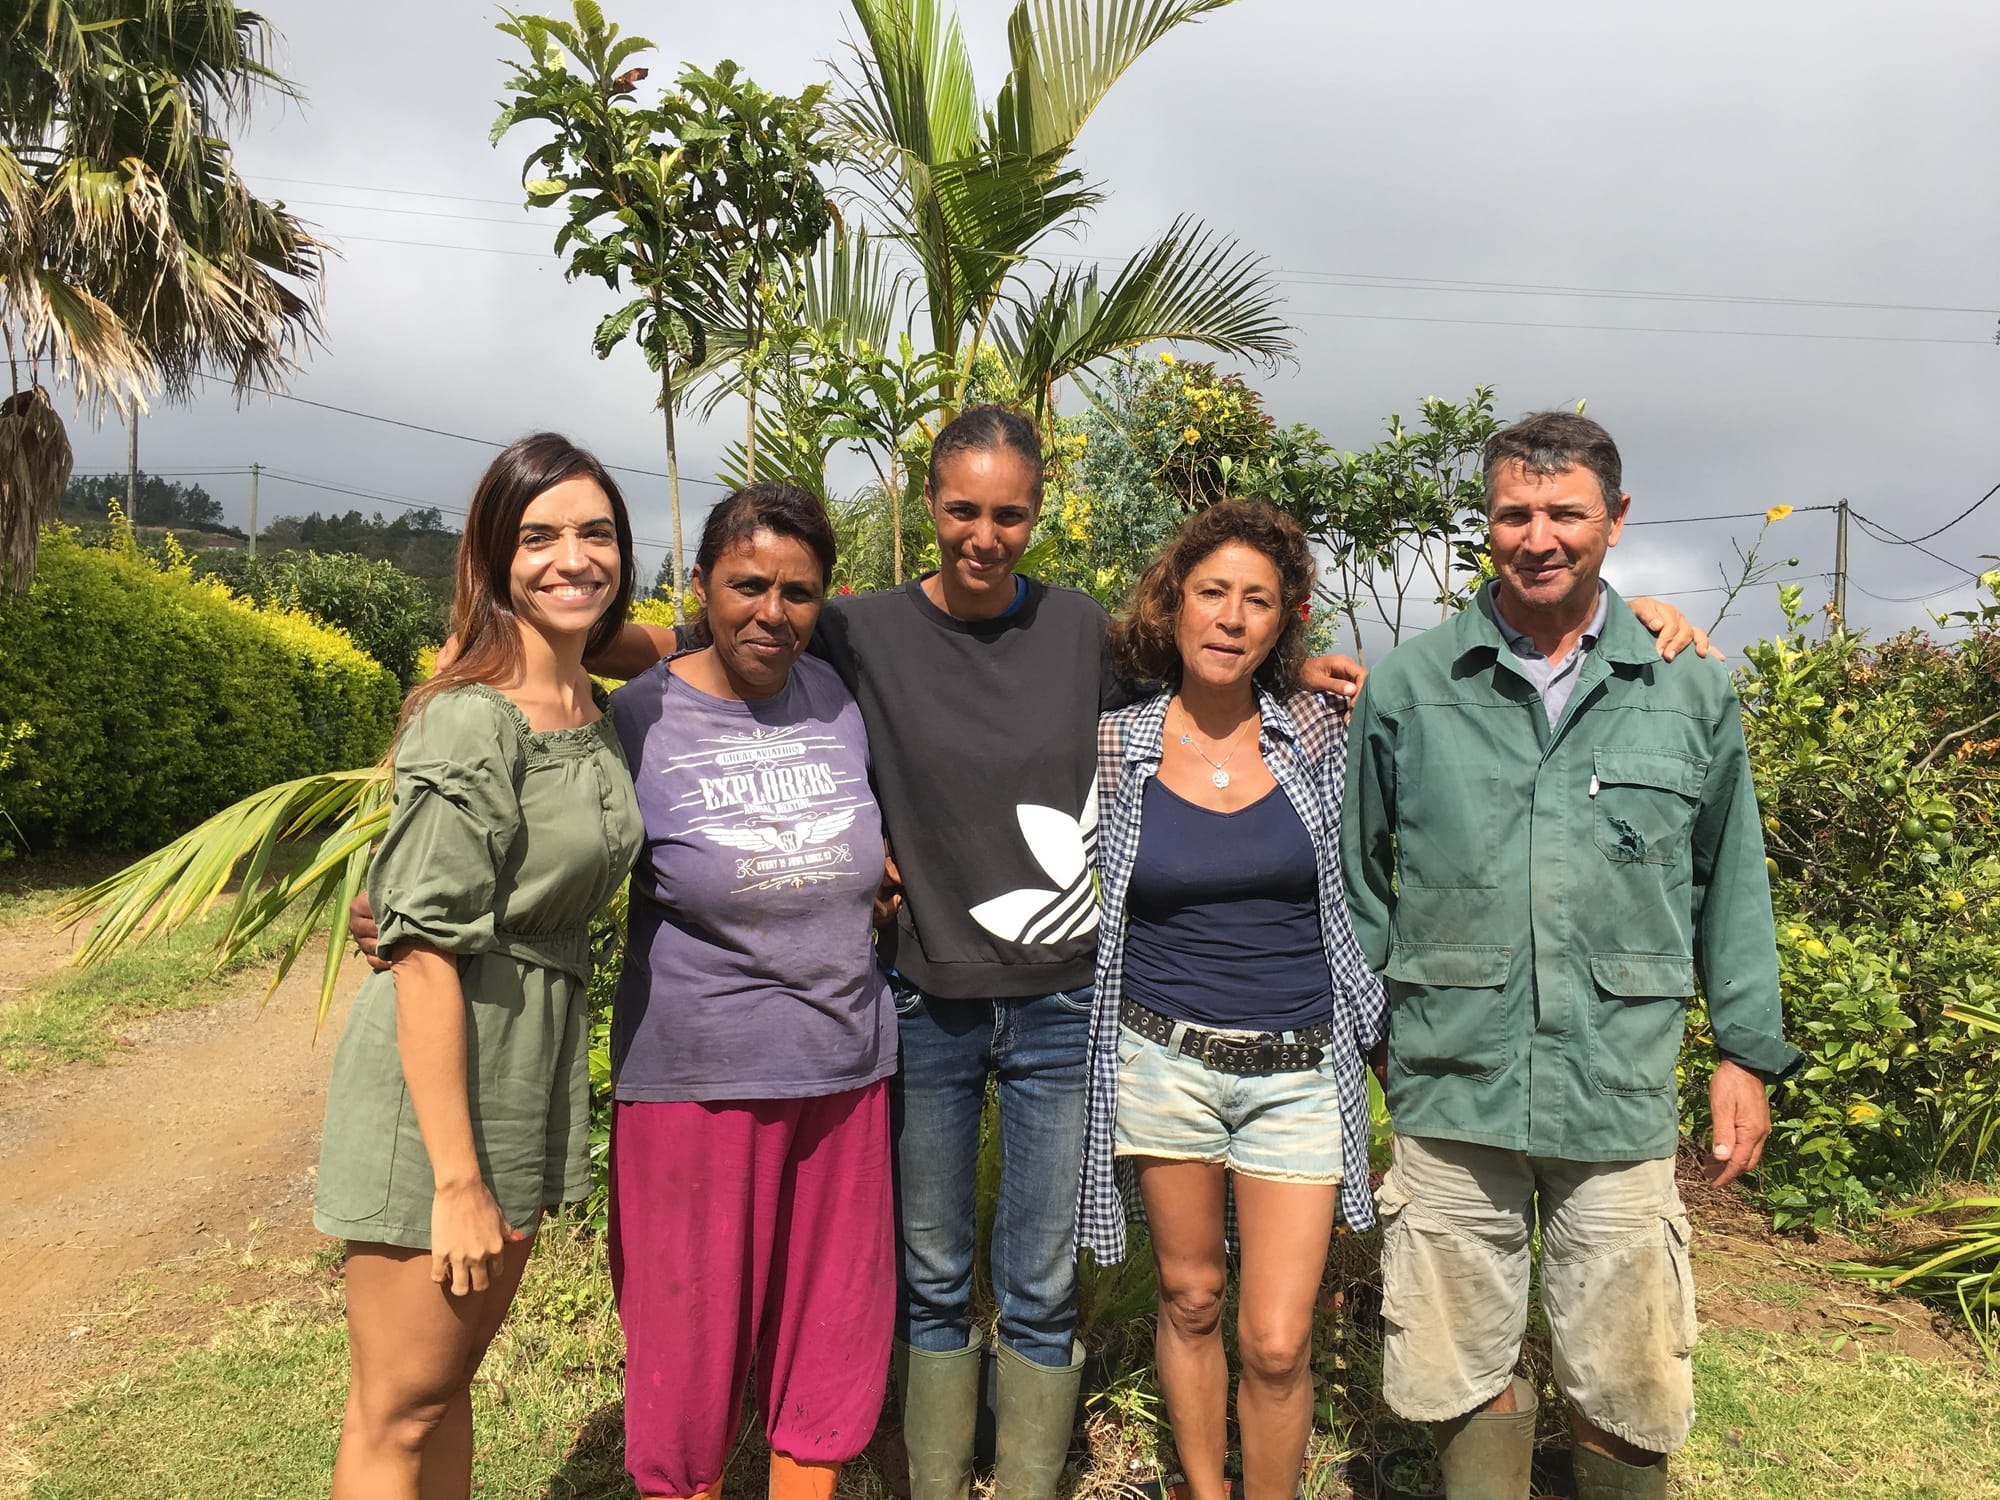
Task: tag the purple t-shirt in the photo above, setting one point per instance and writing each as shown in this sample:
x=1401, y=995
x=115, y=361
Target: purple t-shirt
x=750, y=966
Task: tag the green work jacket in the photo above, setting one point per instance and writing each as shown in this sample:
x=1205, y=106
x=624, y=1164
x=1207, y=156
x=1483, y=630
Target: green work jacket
x=1541, y=902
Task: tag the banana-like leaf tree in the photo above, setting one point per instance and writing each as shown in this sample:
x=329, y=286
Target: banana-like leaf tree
x=974, y=194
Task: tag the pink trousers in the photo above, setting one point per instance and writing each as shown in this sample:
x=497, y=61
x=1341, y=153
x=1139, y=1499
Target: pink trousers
x=756, y=1232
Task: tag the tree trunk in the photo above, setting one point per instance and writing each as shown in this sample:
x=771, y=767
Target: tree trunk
x=750, y=435
x=673, y=479
x=896, y=519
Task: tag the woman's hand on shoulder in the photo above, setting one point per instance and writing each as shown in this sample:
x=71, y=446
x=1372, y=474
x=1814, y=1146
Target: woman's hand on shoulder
x=1340, y=676
x=468, y=1236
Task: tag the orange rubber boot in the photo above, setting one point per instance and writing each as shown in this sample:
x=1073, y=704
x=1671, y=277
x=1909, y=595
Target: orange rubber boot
x=793, y=1480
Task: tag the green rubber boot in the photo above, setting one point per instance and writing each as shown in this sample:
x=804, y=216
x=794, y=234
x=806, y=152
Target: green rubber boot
x=1035, y=1414
x=1489, y=1455
x=940, y=1405
x=1599, y=1476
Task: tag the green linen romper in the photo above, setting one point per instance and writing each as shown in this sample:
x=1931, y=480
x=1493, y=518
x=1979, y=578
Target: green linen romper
x=502, y=843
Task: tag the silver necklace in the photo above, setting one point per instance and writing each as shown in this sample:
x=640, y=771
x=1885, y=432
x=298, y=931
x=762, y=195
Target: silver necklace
x=1217, y=776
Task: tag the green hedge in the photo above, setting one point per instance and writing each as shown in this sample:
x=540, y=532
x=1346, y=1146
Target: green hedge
x=152, y=700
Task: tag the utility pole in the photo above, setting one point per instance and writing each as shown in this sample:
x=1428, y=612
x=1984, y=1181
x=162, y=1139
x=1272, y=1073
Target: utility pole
x=256, y=469
x=1840, y=566
x=132, y=466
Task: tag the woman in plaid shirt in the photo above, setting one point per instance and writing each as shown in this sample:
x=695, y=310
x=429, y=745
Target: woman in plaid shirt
x=1233, y=1007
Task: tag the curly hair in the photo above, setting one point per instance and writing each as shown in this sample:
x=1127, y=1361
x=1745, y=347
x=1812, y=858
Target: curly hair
x=1143, y=647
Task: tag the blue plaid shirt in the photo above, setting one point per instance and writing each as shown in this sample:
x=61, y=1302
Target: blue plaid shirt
x=1304, y=743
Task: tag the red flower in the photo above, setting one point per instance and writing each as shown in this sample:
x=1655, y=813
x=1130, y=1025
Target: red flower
x=1306, y=610
x=845, y=588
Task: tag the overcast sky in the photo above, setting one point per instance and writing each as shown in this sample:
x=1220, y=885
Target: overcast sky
x=1768, y=156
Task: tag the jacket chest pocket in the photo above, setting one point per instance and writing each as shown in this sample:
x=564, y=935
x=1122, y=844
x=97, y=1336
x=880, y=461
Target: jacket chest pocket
x=1643, y=804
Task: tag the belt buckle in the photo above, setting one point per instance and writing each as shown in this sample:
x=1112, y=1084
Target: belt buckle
x=1245, y=1057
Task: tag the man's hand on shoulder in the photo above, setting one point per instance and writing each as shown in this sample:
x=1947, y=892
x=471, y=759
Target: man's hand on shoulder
x=1674, y=629
x=1740, y=1107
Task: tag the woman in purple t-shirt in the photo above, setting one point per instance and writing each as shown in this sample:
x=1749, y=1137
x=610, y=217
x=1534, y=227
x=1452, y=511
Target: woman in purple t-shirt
x=752, y=1033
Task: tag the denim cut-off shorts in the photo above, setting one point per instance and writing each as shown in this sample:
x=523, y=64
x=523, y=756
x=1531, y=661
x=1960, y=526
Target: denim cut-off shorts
x=1284, y=1127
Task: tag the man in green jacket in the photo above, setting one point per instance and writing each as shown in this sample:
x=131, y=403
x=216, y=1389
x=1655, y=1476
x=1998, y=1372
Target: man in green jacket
x=1550, y=837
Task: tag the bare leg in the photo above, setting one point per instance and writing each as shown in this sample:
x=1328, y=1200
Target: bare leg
x=1184, y=1209
x=413, y=1349
x=1285, y=1229
x=1588, y=1434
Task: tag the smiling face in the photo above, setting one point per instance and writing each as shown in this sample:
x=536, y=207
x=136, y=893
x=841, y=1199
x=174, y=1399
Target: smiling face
x=984, y=507
x=1549, y=534
x=565, y=569
x=1231, y=615
x=761, y=600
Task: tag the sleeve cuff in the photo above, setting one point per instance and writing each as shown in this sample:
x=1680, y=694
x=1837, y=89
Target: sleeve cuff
x=1771, y=1058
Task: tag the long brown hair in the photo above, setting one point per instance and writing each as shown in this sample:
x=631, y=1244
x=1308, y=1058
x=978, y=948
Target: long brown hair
x=482, y=606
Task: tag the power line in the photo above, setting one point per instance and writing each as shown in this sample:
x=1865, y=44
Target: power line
x=1928, y=594
x=1957, y=518
x=1883, y=534
x=1294, y=275
x=1739, y=515
x=363, y=187
x=402, y=500
x=1741, y=333
x=463, y=437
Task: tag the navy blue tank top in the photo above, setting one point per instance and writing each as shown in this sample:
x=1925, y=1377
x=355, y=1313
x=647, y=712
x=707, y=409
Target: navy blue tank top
x=1222, y=917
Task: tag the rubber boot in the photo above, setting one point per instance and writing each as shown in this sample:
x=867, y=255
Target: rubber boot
x=796, y=1479
x=1034, y=1418
x=1489, y=1455
x=1599, y=1476
x=940, y=1406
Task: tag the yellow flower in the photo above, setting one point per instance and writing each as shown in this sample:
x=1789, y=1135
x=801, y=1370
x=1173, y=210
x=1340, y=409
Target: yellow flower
x=1191, y=436
x=1861, y=1114
x=1776, y=513
x=1166, y=356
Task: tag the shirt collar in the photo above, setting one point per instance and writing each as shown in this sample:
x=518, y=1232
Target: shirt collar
x=1146, y=740
x=1621, y=638
x=1524, y=645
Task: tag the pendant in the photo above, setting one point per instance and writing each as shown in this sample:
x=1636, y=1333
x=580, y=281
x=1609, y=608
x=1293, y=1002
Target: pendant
x=1220, y=777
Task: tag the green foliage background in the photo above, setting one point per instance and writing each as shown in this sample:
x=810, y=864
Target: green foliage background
x=383, y=610
x=152, y=700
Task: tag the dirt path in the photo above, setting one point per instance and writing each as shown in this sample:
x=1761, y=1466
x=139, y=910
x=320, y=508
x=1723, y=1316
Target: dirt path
x=207, y=1126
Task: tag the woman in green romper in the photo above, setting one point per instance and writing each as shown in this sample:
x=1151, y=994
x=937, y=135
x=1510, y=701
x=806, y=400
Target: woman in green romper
x=459, y=1102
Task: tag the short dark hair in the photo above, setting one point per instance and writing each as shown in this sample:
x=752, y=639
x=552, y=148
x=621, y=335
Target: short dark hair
x=988, y=429
x=1142, y=638
x=767, y=505
x=1548, y=442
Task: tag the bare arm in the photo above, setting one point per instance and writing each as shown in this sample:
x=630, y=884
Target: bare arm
x=635, y=648
x=467, y=1229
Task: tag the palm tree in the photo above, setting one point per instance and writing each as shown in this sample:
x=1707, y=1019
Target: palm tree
x=133, y=259
x=973, y=194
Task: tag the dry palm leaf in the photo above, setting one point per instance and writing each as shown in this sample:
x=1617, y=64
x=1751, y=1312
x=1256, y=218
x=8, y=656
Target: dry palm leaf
x=35, y=461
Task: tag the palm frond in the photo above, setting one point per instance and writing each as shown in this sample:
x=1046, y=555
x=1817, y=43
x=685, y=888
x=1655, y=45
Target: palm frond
x=911, y=85
x=1191, y=286
x=181, y=883
x=1066, y=56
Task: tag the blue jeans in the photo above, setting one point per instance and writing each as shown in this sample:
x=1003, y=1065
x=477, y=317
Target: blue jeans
x=1036, y=1048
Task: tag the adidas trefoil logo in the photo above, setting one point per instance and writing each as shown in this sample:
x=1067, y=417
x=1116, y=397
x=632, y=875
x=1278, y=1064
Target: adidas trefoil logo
x=1065, y=848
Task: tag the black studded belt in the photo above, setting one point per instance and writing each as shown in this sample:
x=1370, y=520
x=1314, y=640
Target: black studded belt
x=1267, y=1052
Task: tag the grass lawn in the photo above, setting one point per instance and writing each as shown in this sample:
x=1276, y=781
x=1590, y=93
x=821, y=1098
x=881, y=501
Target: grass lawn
x=254, y=1412
x=75, y=1015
